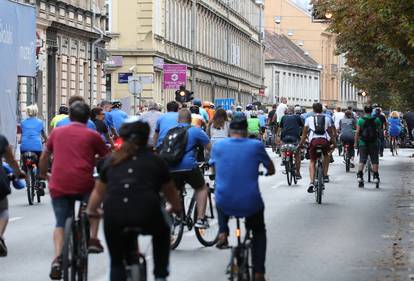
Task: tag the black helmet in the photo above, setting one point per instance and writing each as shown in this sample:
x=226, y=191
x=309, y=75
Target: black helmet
x=239, y=124
x=63, y=109
x=116, y=104
x=134, y=130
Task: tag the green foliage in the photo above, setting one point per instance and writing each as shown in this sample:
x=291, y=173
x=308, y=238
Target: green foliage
x=377, y=39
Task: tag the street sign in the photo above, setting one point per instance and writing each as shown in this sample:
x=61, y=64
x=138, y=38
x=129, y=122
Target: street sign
x=146, y=79
x=224, y=103
x=175, y=75
x=134, y=85
x=123, y=77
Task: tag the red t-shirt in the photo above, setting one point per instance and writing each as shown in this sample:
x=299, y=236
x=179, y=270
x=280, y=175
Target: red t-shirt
x=74, y=148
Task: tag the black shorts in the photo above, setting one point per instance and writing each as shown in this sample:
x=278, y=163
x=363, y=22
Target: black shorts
x=192, y=177
x=370, y=150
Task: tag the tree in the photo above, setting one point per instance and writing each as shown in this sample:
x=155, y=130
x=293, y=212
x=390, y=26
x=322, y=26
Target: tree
x=377, y=39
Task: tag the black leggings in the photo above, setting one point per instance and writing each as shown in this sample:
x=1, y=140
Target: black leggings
x=120, y=245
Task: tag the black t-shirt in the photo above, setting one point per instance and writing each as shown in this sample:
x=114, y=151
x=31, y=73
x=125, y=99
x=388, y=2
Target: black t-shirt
x=291, y=126
x=4, y=144
x=133, y=186
x=101, y=126
x=409, y=118
x=270, y=117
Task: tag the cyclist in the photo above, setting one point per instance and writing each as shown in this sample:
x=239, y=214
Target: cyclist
x=6, y=152
x=291, y=127
x=321, y=133
x=338, y=116
x=241, y=155
x=165, y=122
x=66, y=121
x=74, y=148
x=98, y=117
x=130, y=184
x=218, y=128
x=262, y=119
x=187, y=171
x=395, y=127
x=253, y=125
x=63, y=112
x=347, y=127
x=117, y=115
x=107, y=108
x=209, y=109
x=196, y=119
x=367, y=137
x=203, y=112
x=151, y=117
x=239, y=112
x=384, y=128
x=281, y=110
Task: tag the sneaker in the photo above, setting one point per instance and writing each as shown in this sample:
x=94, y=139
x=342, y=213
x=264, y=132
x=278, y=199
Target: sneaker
x=298, y=176
x=95, y=246
x=223, y=242
x=376, y=178
x=352, y=165
x=56, y=270
x=360, y=177
x=3, y=248
x=202, y=223
x=311, y=188
x=325, y=179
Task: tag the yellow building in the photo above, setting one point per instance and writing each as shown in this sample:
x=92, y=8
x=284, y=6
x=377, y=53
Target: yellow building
x=219, y=41
x=285, y=17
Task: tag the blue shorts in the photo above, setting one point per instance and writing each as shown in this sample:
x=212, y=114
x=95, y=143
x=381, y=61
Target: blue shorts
x=64, y=206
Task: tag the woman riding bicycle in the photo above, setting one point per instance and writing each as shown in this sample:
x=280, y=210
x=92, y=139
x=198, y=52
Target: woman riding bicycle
x=129, y=187
x=394, y=125
x=347, y=127
x=218, y=128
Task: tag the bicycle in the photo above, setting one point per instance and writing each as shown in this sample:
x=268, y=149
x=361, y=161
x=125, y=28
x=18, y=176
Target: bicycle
x=33, y=183
x=347, y=157
x=394, y=146
x=369, y=172
x=75, y=247
x=320, y=185
x=134, y=262
x=288, y=153
x=273, y=138
x=240, y=267
x=207, y=237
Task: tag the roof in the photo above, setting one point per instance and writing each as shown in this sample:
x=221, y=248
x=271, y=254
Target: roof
x=280, y=49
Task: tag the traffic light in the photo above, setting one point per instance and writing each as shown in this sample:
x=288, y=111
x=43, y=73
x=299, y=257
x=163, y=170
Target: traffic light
x=182, y=95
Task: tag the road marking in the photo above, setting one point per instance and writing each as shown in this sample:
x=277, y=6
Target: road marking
x=15, y=219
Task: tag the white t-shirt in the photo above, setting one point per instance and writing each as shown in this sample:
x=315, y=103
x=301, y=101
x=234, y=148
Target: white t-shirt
x=337, y=117
x=280, y=111
x=310, y=123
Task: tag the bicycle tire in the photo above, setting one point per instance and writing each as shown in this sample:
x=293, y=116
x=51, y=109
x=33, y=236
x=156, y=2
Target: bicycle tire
x=295, y=180
x=347, y=162
x=211, y=215
x=288, y=170
x=82, y=266
x=319, y=189
x=68, y=252
x=30, y=187
x=177, y=230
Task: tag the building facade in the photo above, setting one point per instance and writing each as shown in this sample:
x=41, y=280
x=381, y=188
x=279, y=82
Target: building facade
x=219, y=41
x=287, y=18
x=289, y=72
x=70, y=55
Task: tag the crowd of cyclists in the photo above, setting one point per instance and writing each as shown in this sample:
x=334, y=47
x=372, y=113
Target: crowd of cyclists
x=143, y=160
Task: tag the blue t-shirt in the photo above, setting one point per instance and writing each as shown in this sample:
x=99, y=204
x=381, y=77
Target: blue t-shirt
x=394, y=125
x=166, y=122
x=118, y=118
x=108, y=120
x=204, y=114
x=262, y=120
x=196, y=136
x=237, y=163
x=32, y=128
x=66, y=121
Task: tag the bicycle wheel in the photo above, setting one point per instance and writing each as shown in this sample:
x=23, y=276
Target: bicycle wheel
x=137, y=271
x=177, y=230
x=69, y=252
x=288, y=170
x=293, y=171
x=82, y=264
x=30, y=186
x=347, y=162
x=208, y=237
x=319, y=188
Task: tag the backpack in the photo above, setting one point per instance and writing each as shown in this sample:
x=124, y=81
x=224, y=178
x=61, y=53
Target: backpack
x=369, y=130
x=173, y=147
x=319, y=121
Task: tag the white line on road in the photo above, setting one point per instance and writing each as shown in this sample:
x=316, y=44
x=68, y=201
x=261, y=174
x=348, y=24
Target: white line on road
x=15, y=219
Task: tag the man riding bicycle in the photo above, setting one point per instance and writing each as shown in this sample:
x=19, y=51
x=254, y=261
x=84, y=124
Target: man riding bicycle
x=239, y=195
x=74, y=148
x=321, y=135
x=291, y=127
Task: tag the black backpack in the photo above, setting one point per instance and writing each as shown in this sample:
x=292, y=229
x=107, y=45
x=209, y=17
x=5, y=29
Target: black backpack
x=319, y=121
x=173, y=147
x=369, y=130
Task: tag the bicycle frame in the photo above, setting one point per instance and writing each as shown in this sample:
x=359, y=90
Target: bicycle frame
x=319, y=168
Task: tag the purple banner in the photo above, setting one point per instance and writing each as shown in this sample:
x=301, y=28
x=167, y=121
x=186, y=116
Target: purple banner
x=175, y=75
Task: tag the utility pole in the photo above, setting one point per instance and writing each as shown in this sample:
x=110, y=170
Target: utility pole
x=194, y=44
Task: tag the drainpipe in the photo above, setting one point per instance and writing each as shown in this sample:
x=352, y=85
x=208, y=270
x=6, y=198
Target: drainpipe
x=93, y=44
x=194, y=45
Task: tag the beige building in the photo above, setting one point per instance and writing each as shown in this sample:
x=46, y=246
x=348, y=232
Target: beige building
x=67, y=32
x=287, y=18
x=219, y=41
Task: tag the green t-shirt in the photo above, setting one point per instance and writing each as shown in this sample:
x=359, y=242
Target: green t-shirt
x=56, y=119
x=253, y=125
x=361, y=122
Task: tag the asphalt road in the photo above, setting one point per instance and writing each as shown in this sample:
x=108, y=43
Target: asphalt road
x=346, y=238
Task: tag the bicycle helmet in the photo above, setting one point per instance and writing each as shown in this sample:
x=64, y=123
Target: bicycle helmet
x=134, y=130
x=249, y=107
x=116, y=104
x=63, y=109
x=197, y=102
